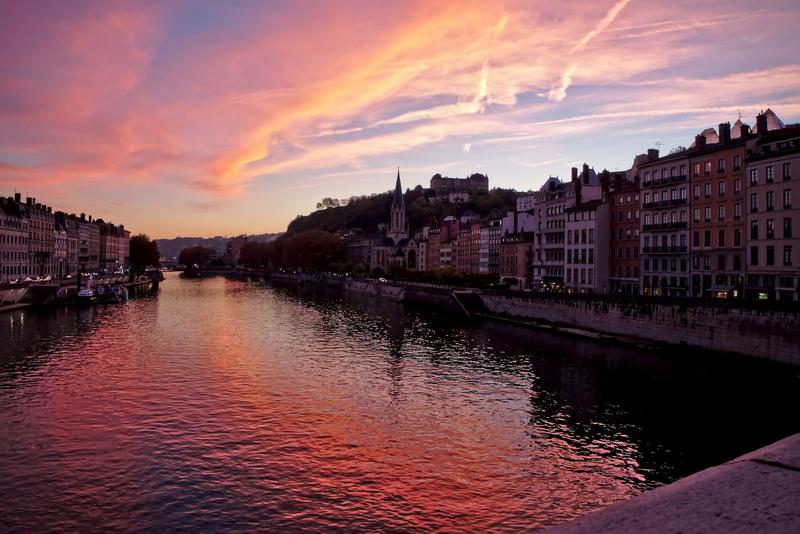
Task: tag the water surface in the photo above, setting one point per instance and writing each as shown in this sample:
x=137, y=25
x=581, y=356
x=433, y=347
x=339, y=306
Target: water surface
x=224, y=405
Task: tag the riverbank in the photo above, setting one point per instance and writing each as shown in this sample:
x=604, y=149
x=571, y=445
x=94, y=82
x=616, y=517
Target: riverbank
x=64, y=292
x=742, y=328
x=757, y=492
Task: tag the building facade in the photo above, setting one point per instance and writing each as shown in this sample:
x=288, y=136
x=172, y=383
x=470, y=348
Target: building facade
x=623, y=236
x=14, y=234
x=773, y=215
x=586, y=261
x=664, y=212
x=717, y=215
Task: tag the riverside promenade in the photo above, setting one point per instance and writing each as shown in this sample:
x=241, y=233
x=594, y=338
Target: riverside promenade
x=757, y=492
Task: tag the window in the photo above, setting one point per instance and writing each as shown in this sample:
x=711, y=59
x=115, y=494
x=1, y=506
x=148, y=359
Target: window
x=647, y=198
x=787, y=199
x=696, y=192
x=707, y=238
x=683, y=193
x=770, y=229
x=770, y=255
x=753, y=201
x=721, y=238
x=663, y=173
x=770, y=174
x=737, y=238
x=787, y=171
x=770, y=200
x=721, y=189
x=707, y=262
x=707, y=190
x=720, y=165
x=721, y=213
x=707, y=213
x=683, y=170
x=696, y=239
x=737, y=186
x=753, y=176
x=754, y=256
x=737, y=162
x=753, y=229
x=737, y=211
x=707, y=167
x=697, y=169
x=787, y=227
x=647, y=177
x=695, y=262
x=721, y=262
x=787, y=254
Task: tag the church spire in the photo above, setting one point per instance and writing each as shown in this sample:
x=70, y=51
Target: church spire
x=397, y=200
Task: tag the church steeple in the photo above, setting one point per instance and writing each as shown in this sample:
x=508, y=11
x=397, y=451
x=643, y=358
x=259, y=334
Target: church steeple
x=398, y=224
x=397, y=200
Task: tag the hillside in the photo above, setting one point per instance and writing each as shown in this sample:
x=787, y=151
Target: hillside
x=171, y=248
x=366, y=213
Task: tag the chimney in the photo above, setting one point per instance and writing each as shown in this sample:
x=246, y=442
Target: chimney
x=700, y=141
x=18, y=197
x=586, y=174
x=618, y=181
x=724, y=133
x=605, y=181
x=49, y=210
x=90, y=218
x=83, y=217
x=761, y=124
x=28, y=201
x=745, y=130
x=652, y=154
x=577, y=185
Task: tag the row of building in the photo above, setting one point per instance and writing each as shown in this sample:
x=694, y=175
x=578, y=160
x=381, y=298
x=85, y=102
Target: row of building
x=37, y=242
x=717, y=219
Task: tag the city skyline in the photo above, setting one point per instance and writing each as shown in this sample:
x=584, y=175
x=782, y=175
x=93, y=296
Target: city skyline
x=209, y=119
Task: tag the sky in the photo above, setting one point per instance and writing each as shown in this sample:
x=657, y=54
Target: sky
x=202, y=118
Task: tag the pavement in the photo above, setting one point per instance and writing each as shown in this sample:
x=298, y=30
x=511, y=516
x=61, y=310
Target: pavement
x=757, y=492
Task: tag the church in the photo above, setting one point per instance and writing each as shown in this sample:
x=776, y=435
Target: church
x=396, y=247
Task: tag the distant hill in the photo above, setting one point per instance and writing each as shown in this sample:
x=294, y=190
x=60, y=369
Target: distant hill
x=366, y=213
x=171, y=248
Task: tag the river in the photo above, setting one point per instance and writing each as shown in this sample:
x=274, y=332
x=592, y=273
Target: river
x=227, y=405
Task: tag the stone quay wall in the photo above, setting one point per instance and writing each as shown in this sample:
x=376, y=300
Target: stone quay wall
x=764, y=333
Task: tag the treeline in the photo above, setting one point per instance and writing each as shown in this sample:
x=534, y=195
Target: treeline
x=367, y=212
x=312, y=250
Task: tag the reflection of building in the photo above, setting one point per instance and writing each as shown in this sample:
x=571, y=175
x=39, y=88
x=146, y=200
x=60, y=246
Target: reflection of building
x=773, y=214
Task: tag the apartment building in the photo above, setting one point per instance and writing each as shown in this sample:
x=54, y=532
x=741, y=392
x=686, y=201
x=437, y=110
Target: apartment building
x=773, y=214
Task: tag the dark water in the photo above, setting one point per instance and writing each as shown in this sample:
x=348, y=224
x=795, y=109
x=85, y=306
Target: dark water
x=221, y=405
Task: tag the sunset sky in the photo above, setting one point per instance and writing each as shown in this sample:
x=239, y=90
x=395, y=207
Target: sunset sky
x=218, y=118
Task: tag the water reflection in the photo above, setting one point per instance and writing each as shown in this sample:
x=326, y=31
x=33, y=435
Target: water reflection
x=224, y=404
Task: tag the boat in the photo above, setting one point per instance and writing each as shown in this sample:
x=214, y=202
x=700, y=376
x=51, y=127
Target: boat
x=86, y=296
x=116, y=294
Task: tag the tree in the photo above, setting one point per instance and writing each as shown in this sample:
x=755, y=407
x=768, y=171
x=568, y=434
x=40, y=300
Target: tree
x=143, y=252
x=198, y=255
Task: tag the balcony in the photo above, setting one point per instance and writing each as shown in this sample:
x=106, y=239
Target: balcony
x=665, y=181
x=664, y=226
x=665, y=250
x=665, y=203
